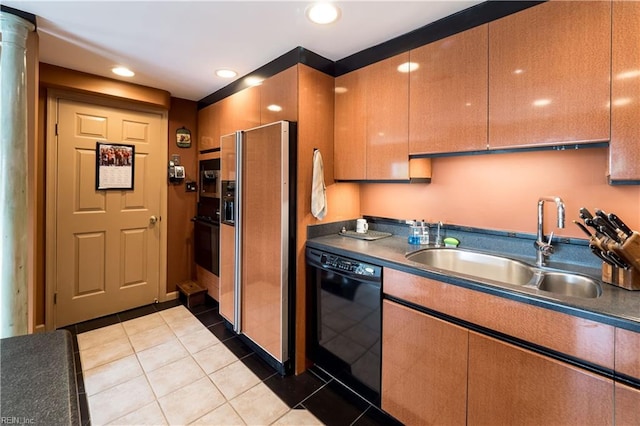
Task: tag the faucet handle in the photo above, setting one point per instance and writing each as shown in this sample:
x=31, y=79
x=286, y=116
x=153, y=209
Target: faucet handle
x=547, y=249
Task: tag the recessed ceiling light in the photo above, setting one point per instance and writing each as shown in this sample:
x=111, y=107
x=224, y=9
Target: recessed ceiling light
x=323, y=13
x=123, y=72
x=226, y=73
x=274, y=108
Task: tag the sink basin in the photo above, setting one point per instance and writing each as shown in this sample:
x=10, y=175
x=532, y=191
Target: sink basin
x=479, y=266
x=489, y=268
x=569, y=285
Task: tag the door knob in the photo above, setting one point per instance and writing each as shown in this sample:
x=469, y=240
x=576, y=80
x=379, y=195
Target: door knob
x=153, y=220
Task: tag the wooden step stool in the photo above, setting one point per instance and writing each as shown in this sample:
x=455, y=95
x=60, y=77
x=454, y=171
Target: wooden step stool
x=191, y=294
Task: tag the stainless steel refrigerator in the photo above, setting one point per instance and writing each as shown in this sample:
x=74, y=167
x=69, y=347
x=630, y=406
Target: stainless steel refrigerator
x=258, y=299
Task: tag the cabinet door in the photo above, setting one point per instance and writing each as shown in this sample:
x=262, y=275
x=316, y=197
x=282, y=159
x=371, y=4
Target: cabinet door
x=424, y=367
x=627, y=359
x=448, y=94
x=509, y=385
x=279, y=97
x=350, y=146
x=240, y=111
x=209, y=127
x=549, y=71
x=627, y=405
x=624, y=148
x=387, y=113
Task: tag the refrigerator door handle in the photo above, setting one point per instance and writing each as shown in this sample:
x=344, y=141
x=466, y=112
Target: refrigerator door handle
x=237, y=216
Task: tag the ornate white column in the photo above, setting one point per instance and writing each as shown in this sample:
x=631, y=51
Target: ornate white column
x=13, y=175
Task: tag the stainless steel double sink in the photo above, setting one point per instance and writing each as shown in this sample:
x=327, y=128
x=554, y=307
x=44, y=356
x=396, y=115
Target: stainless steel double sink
x=494, y=269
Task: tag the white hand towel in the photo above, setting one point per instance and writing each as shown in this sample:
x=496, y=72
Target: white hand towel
x=318, y=190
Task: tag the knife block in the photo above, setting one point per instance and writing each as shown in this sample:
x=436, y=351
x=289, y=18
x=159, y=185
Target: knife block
x=630, y=250
x=625, y=278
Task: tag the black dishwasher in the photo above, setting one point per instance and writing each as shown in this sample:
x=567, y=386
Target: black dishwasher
x=345, y=320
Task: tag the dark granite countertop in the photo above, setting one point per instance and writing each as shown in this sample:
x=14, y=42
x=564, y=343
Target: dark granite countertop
x=38, y=379
x=616, y=306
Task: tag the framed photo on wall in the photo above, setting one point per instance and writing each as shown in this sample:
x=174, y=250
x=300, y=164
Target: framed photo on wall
x=183, y=137
x=114, y=166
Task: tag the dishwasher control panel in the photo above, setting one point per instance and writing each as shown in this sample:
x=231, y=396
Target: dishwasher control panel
x=350, y=266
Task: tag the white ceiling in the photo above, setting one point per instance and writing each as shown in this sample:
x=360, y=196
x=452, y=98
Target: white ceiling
x=177, y=45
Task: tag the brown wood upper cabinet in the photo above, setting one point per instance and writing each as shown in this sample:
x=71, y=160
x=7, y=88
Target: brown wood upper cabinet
x=624, y=148
x=279, y=97
x=274, y=100
x=208, y=128
x=448, y=94
x=549, y=75
x=371, y=122
x=240, y=111
x=350, y=128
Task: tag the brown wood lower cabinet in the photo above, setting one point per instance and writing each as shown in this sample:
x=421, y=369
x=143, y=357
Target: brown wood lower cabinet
x=438, y=372
x=509, y=385
x=627, y=400
x=424, y=367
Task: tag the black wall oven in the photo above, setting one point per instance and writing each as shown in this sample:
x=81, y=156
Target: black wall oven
x=206, y=236
x=346, y=320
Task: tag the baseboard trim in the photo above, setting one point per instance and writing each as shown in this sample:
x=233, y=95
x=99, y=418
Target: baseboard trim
x=170, y=296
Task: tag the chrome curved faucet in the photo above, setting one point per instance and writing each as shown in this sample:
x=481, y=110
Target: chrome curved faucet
x=544, y=250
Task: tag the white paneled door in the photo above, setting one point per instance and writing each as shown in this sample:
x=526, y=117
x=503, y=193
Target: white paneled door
x=107, y=242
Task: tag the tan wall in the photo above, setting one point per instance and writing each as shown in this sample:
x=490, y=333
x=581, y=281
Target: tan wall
x=181, y=204
x=500, y=191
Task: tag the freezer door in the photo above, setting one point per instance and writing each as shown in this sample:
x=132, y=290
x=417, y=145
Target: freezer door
x=264, y=237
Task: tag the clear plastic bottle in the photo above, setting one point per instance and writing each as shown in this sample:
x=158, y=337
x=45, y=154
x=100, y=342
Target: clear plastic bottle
x=424, y=233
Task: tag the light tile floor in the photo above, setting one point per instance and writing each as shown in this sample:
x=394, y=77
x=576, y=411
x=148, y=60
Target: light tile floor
x=167, y=368
x=156, y=365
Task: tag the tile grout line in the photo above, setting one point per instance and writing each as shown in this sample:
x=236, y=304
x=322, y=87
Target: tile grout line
x=237, y=358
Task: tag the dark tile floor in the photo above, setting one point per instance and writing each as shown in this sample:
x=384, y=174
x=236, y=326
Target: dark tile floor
x=315, y=390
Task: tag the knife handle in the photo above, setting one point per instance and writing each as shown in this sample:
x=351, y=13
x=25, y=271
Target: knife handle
x=595, y=250
x=585, y=214
x=605, y=227
x=618, y=260
x=620, y=224
x=613, y=226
